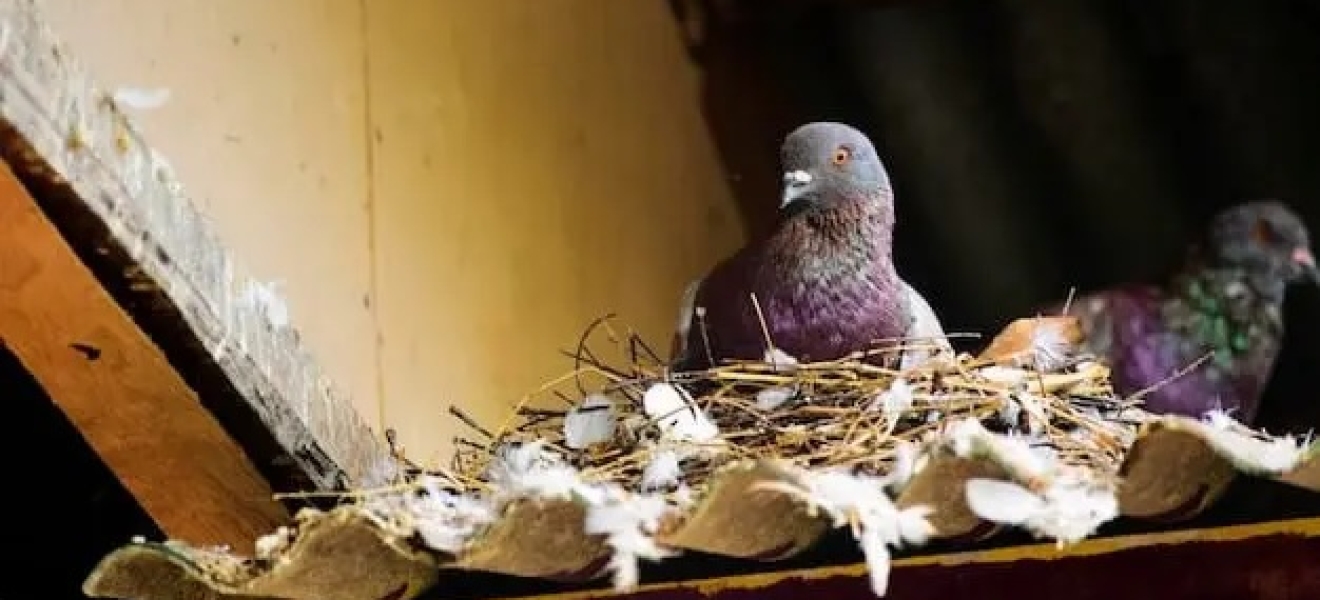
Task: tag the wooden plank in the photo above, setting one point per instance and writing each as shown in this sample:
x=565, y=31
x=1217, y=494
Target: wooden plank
x=121, y=208
x=1260, y=560
x=118, y=389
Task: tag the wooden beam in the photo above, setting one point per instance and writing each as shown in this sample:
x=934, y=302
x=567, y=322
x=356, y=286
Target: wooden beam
x=1261, y=560
x=120, y=207
x=118, y=389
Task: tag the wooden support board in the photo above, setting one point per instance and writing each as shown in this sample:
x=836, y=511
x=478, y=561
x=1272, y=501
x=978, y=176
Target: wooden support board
x=118, y=389
x=119, y=206
x=345, y=555
x=1273, y=560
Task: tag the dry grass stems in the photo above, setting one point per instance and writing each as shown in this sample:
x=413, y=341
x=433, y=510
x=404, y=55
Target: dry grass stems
x=637, y=445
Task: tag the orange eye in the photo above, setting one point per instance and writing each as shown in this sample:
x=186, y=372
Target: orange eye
x=1263, y=233
x=841, y=155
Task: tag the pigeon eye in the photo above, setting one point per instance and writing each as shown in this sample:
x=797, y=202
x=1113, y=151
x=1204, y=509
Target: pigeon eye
x=1263, y=233
x=841, y=155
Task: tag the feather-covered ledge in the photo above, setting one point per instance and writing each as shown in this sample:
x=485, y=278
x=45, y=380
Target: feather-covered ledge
x=758, y=465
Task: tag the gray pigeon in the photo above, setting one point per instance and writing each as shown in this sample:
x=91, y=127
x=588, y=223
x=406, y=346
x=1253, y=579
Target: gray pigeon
x=1226, y=302
x=824, y=278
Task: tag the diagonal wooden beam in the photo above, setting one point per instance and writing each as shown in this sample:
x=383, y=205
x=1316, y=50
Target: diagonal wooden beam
x=118, y=204
x=119, y=390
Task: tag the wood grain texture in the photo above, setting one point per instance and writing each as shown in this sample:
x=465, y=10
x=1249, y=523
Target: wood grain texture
x=62, y=127
x=118, y=389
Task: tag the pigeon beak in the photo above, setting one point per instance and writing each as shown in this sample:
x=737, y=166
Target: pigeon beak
x=795, y=184
x=1303, y=258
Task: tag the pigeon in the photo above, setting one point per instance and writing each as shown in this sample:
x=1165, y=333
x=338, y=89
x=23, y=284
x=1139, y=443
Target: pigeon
x=1207, y=339
x=822, y=285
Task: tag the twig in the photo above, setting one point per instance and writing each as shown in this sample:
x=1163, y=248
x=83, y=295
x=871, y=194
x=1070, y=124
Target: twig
x=1142, y=393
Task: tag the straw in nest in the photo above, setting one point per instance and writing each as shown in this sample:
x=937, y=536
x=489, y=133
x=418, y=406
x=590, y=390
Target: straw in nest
x=638, y=448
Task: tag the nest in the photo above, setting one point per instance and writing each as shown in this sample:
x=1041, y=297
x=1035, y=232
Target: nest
x=634, y=448
x=639, y=446
x=647, y=429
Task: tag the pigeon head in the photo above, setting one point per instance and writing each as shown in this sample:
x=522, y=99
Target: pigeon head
x=825, y=161
x=1268, y=241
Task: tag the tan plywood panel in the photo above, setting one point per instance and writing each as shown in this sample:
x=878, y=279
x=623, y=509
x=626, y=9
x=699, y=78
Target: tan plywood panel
x=537, y=164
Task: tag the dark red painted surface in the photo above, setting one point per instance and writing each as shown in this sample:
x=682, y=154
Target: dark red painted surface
x=1265, y=568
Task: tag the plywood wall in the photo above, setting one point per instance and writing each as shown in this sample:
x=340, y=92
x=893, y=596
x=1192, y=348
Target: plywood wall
x=449, y=190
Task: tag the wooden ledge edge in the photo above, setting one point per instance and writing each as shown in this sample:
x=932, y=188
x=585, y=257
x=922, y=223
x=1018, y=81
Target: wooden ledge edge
x=1304, y=527
x=117, y=203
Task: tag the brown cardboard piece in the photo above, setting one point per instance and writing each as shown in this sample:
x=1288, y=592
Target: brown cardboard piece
x=1171, y=473
x=340, y=555
x=345, y=555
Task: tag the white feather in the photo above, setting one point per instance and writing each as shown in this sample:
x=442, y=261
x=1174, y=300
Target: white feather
x=686, y=310
x=894, y=400
x=1252, y=452
x=925, y=329
x=628, y=524
x=1002, y=502
x=780, y=361
x=1050, y=349
x=1067, y=511
x=772, y=398
x=678, y=417
x=141, y=98
x=662, y=472
x=860, y=501
x=591, y=422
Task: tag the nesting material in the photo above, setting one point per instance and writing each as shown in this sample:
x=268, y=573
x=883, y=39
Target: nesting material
x=628, y=464
x=846, y=414
x=639, y=448
x=1028, y=434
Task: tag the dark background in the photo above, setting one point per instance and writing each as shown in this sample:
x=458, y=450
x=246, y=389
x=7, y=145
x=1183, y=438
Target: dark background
x=1037, y=145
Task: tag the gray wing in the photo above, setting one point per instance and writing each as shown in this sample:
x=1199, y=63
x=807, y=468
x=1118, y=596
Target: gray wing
x=925, y=326
x=686, y=308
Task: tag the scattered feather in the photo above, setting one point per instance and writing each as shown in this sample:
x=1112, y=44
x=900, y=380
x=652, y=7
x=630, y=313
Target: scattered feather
x=628, y=524
x=1034, y=407
x=1050, y=347
x=446, y=521
x=780, y=361
x=271, y=544
x=1010, y=410
x=1067, y=511
x=529, y=470
x=662, y=472
x=969, y=439
x=1251, y=451
x=772, y=398
x=902, y=469
x=141, y=98
x=1006, y=376
x=860, y=502
x=894, y=401
x=676, y=415
x=591, y=422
